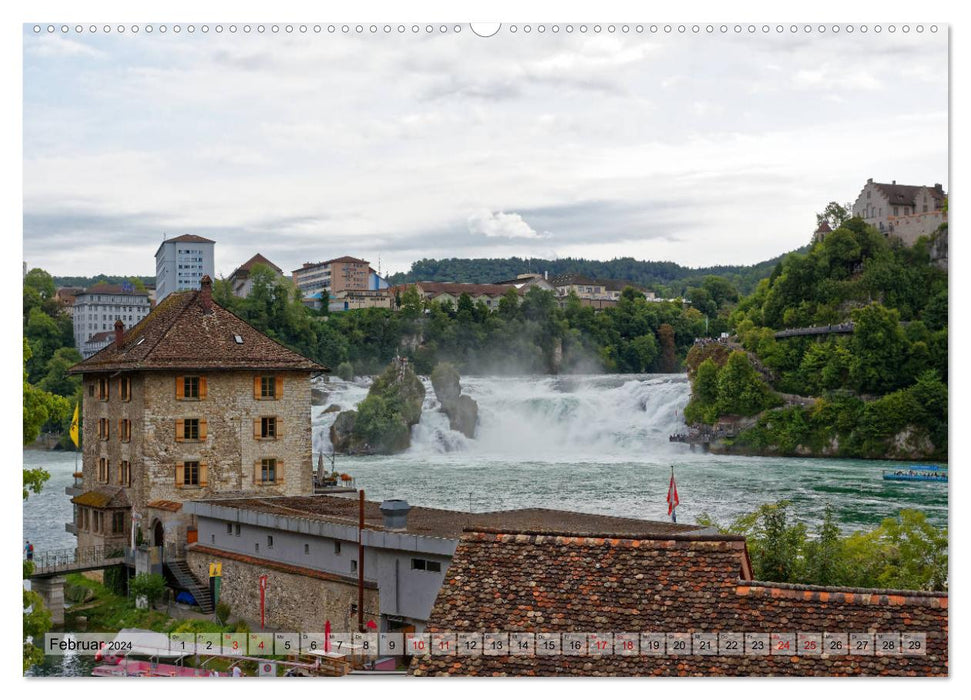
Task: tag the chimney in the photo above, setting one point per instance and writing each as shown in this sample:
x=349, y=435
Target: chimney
x=893, y=182
x=869, y=181
x=119, y=333
x=205, y=295
x=395, y=512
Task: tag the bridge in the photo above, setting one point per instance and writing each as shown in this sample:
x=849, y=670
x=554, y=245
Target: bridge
x=77, y=559
x=50, y=568
x=815, y=330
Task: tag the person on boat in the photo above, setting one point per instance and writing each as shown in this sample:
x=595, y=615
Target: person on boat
x=237, y=672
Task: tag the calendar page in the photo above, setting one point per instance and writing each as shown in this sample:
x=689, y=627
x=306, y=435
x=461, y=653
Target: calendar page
x=412, y=348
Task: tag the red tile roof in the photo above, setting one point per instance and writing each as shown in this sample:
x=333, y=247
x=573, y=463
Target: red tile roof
x=257, y=259
x=905, y=195
x=188, y=238
x=171, y=506
x=101, y=335
x=824, y=228
x=456, y=289
x=189, y=331
x=520, y=582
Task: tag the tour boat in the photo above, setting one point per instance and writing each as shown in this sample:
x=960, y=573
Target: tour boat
x=916, y=472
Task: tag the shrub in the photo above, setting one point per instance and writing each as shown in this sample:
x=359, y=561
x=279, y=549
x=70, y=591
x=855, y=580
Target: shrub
x=223, y=611
x=152, y=586
x=345, y=370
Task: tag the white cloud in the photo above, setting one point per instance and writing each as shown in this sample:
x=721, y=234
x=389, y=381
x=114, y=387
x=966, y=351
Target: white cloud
x=52, y=46
x=501, y=225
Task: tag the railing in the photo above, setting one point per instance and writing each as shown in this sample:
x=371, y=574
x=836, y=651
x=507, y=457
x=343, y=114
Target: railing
x=816, y=330
x=78, y=559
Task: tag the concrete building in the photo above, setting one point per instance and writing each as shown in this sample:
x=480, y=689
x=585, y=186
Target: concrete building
x=240, y=281
x=308, y=548
x=450, y=292
x=332, y=276
x=528, y=280
x=181, y=263
x=351, y=299
x=904, y=211
x=97, y=308
x=593, y=292
x=192, y=403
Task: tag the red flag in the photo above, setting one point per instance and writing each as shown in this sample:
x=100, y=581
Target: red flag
x=672, y=495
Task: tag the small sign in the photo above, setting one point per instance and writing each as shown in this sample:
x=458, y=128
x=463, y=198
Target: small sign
x=267, y=669
x=215, y=569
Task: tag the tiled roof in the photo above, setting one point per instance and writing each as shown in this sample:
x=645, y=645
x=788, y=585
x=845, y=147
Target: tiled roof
x=905, y=195
x=824, y=228
x=568, y=279
x=456, y=289
x=257, y=259
x=188, y=238
x=171, y=506
x=278, y=566
x=436, y=522
x=190, y=331
x=105, y=288
x=513, y=581
x=185, y=238
x=100, y=336
x=103, y=497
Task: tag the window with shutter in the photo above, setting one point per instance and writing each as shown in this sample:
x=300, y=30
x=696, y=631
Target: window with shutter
x=203, y=474
x=179, y=475
x=203, y=388
x=179, y=430
x=202, y=429
x=179, y=388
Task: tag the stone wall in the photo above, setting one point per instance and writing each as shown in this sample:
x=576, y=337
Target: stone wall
x=297, y=599
x=230, y=450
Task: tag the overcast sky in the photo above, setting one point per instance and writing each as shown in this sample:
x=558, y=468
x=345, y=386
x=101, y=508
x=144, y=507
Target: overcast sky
x=693, y=148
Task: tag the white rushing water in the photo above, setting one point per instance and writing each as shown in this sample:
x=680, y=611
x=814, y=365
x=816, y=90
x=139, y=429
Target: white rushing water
x=547, y=419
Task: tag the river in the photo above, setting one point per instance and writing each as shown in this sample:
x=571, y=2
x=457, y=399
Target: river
x=588, y=443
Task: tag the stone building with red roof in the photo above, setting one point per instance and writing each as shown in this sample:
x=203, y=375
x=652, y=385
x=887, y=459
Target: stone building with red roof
x=190, y=403
x=671, y=604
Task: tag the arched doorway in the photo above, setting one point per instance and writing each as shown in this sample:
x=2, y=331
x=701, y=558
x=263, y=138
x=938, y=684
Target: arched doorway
x=158, y=534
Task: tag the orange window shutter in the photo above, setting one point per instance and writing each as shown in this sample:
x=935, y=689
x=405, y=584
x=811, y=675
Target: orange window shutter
x=180, y=387
x=257, y=429
x=203, y=474
x=279, y=387
x=179, y=430
x=202, y=388
x=179, y=475
x=279, y=471
x=279, y=428
x=256, y=471
x=256, y=387
x=202, y=428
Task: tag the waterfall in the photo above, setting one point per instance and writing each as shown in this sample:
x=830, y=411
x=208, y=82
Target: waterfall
x=541, y=418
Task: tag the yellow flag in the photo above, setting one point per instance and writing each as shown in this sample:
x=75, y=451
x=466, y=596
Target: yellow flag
x=74, y=427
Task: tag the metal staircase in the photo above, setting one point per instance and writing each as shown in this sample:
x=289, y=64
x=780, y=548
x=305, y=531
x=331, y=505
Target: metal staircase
x=183, y=574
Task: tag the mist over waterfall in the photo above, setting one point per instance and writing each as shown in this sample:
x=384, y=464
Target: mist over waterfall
x=540, y=418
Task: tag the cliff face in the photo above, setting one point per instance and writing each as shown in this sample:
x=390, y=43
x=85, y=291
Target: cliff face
x=382, y=422
x=461, y=409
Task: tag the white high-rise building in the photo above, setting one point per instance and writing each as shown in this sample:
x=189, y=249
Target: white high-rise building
x=181, y=263
x=97, y=308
